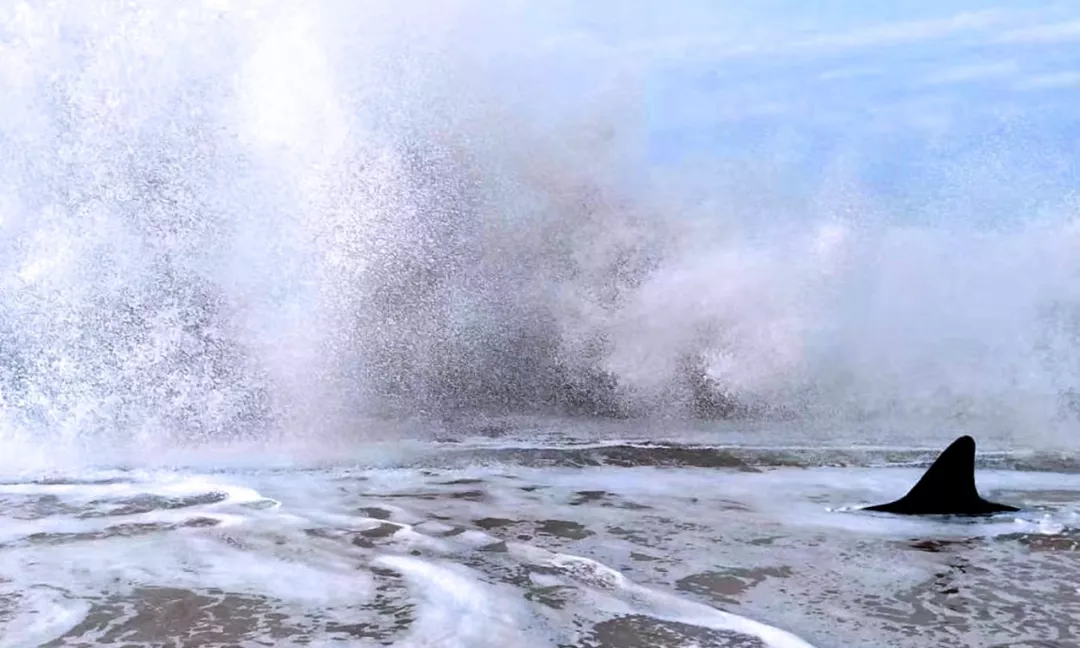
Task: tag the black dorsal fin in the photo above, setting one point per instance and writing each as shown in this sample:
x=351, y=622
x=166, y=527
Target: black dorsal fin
x=947, y=487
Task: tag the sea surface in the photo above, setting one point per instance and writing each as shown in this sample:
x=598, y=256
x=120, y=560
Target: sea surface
x=236, y=238
x=505, y=539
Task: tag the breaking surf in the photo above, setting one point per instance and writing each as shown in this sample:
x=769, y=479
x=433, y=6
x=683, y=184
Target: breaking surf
x=654, y=552
x=237, y=240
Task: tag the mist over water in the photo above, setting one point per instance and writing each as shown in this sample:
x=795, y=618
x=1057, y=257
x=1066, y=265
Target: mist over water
x=243, y=220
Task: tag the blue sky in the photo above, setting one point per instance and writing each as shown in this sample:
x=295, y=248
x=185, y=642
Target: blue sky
x=902, y=94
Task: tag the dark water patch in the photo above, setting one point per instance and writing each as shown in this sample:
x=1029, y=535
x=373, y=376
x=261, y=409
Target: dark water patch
x=528, y=529
x=1034, y=644
x=236, y=542
x=393, y=614
x=1036, y=462
x=175, y=617
x=606, y=500
x=674, y=454
x=116, y=531
x=640, y=631
x=1021, y=462
x=654, y=530
x=375, y=512
x=10, y=600
x=563, y=529
x=199, y=523
x=637, y=537
x=419, y=495
x=940, y=545
x=1045, y=497
x=763, y=542
x=21, y=506
x=1068, y=542
x=689, y=457
x=489, y=523
x=76, y=481
x=495, y=547
x=38, y=506
x=943, y=600
x=461, y=482
x=567, y=451
x=727, y=505
x=500, y=566
x=584, y=497
x=574, y=454
x=552, y=596
x=147, y=503
x=726, y=586
x=1051, y=543
x=325, y=534
x=165, y=616
x=368, y=538
x=470, y=495
x=982, y=593
x=785, y=458
x=384, y=530
x=622, y=455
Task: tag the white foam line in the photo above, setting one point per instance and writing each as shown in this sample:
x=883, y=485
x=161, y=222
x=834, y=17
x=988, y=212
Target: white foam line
x=695, y=613
x=171, y=488
x=43, y=616
x=459, y=612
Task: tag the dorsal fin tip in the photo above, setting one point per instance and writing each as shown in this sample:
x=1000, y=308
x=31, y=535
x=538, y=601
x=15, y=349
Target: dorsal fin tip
x=966, y=441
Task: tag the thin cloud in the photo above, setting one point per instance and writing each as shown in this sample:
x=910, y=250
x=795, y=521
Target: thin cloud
x=851, y=73
x=1050, y=81
x=774, y=42
x=973, y=73
x=907, y=31
x=1062, y=32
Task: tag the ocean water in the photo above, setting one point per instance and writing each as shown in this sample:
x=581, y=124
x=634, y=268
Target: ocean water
x=508, y=542
x=369, y=323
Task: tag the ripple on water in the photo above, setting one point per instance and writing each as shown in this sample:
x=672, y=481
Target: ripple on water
x=602, y=556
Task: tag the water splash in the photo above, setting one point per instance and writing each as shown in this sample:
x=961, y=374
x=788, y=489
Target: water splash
x=227, y=220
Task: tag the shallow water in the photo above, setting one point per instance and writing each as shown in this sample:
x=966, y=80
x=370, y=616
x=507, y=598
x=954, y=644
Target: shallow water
x=492, y=543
